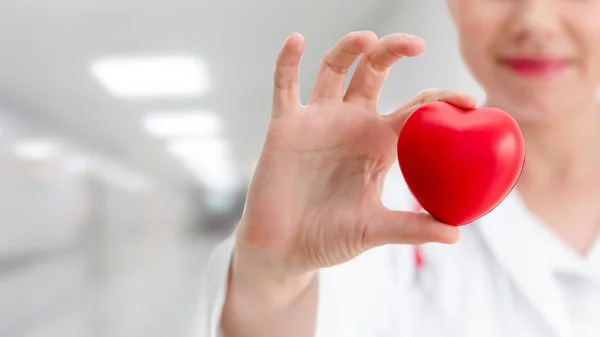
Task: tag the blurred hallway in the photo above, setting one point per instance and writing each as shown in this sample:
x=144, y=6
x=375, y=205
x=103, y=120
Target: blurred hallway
x=128, y=132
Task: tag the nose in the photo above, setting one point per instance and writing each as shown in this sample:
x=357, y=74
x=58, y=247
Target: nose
x=534, y=22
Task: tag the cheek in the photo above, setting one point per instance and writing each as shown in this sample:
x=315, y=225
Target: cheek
x=594, y=57
x=585, y=27
x=475, y=51
x=478, y=24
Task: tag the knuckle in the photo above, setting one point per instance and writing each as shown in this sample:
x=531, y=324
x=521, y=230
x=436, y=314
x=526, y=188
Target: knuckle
x=400, y=44
x=284, y=85
x=378, y=66
x=389, y=49
x=329, y=61
x=370, y=34
x=283, y=81
x=358, y=33
x=336, y=68
x=395, y=37
x=428, y=95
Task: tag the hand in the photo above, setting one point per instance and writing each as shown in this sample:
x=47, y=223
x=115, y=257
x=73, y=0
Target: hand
x=315, y=198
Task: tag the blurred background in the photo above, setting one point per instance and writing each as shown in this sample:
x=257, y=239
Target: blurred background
x=128, y=133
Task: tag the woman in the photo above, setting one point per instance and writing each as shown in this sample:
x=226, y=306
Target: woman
x=317, y=253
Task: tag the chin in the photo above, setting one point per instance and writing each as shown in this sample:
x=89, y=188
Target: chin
x=536, y=116
x=539, y=107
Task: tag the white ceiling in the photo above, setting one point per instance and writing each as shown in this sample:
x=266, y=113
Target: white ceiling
x=46, y=48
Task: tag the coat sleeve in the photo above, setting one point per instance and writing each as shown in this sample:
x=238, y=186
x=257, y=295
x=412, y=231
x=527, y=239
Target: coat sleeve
x=356, y=299
x=214, y=290
x=362, y=297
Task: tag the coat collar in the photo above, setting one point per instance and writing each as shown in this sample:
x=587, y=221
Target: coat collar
x=513, y=237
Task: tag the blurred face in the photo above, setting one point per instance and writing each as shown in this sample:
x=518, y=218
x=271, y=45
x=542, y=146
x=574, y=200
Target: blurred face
x=537, y=59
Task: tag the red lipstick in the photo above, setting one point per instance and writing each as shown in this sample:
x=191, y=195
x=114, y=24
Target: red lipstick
x=536, y=67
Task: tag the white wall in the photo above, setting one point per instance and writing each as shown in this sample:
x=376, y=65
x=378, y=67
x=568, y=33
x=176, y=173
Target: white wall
x=439, y=67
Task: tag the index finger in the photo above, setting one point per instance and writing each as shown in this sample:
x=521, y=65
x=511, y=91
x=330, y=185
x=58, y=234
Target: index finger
x=374, y=67
x=331, y=78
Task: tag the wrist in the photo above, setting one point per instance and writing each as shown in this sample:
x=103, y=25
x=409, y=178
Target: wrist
x=264, y=282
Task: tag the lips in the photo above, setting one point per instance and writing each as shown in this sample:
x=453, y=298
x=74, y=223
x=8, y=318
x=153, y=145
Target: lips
x=536, y=66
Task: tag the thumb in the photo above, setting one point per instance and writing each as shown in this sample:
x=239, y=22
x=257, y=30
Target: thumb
x=398, y=227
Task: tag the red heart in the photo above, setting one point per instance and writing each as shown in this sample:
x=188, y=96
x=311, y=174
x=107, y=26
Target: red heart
x=460, y=164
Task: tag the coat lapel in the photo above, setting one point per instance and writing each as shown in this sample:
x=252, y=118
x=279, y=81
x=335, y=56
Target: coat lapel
x=511, y=234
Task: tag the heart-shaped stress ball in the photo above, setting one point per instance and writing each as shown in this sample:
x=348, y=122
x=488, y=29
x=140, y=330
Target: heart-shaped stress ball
x=460, y=164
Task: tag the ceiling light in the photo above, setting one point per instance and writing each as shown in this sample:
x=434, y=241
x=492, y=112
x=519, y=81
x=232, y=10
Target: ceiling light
x=184, y=123
x=152, y=76
x=36, y=149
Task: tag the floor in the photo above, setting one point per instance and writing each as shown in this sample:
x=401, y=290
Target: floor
x=145, y=291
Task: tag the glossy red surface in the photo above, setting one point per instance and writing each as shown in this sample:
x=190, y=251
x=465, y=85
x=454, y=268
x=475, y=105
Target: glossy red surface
x=458, y=164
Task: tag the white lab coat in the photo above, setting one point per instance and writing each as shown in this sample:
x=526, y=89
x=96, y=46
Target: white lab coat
x=501, y=279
